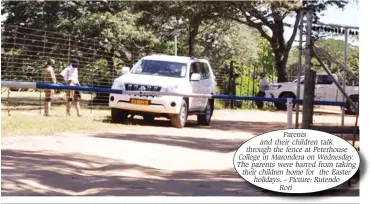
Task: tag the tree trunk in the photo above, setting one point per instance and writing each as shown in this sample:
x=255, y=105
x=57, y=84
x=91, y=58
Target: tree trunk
x=193, y=32
x=280, y=62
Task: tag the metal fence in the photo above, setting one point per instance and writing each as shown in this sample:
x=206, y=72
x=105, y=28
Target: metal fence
x=24, y=52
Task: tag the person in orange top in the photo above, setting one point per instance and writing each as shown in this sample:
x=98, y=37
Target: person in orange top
x=49, y=77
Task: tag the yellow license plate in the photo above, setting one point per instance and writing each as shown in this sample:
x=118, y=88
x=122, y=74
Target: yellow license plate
x=140, y=102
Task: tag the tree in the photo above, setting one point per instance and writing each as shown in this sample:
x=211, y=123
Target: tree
x=111, y=23
x=268, y=18
x=178, y=16
x=335, y=48
x=265, y=57
x=97, y=32
x=237, y=43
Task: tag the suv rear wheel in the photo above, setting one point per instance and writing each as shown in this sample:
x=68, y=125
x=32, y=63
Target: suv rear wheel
x=118, y=115
x=282, y=106
x=179, y=120
x=205, y=118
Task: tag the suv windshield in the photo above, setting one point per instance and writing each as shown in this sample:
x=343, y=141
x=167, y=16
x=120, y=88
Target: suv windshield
x=160, y=68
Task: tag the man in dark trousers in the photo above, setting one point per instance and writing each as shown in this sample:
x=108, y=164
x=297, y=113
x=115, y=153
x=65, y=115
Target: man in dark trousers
x=262, y=87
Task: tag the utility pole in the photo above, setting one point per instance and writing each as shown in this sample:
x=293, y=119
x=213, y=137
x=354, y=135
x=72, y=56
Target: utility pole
x=344, y=72
x=310, y=76
x=299, y=68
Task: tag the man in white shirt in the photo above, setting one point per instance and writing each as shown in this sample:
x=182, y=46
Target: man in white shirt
x=70, y=76
x=263, y=83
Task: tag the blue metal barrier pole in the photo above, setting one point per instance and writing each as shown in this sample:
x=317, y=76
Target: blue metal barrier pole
x=40, y=85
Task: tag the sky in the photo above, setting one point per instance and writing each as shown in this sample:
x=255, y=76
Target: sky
x=349, y=16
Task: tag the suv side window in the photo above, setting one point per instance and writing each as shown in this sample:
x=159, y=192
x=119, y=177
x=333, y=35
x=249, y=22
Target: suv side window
x=324, y=79
x=204, y=70
x=194, y=68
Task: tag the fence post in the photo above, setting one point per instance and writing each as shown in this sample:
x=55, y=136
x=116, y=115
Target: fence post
x=175, y=44
x=231, y=70
x=41, y=78
x=248, y=83
x=69, y=47
x=92, y=78
x=241, y=80
x=233, y=87
x=14, y=43
x=289, y=104
x=344, y=73
x=8, y=101
x=132, y=57
x=253, y=78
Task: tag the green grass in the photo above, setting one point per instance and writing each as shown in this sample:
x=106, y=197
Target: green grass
x=26, y=118
x=31, y=100
x=21, y=123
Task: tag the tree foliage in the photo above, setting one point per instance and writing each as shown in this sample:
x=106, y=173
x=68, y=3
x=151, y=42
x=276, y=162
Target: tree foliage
x=268, y=18
x=184, y=18
x=336, y=49
x=114, y=33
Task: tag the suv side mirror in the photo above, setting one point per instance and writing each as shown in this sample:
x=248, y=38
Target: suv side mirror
x=125, y=70
x=195, y=77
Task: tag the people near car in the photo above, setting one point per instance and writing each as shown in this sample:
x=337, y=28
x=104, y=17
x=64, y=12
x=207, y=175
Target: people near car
x=264, y=83
x=262, y=87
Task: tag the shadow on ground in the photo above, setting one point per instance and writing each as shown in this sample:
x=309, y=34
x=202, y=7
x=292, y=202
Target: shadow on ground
x=203, y=144
x=254, y=128
x=26, y=173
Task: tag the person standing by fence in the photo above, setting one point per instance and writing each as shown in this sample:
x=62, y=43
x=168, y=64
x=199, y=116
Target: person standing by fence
x=70, y=75
x=49, y=77
x=262, y=87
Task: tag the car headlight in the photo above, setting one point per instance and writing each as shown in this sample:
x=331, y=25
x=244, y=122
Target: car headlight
x=172, y=88
x=118, y=85
x=273, y=87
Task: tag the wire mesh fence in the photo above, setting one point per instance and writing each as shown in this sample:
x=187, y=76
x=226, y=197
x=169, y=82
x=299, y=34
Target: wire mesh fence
x=24, y=52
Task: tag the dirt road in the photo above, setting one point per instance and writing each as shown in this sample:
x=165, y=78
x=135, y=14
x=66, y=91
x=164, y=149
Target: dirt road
x=141, y=160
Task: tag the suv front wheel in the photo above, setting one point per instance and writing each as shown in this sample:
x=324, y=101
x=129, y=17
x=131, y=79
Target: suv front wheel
x=205, y=118
x=179, y=120
x=118, y=115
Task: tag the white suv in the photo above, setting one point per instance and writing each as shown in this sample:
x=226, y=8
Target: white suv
x=165, y=73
